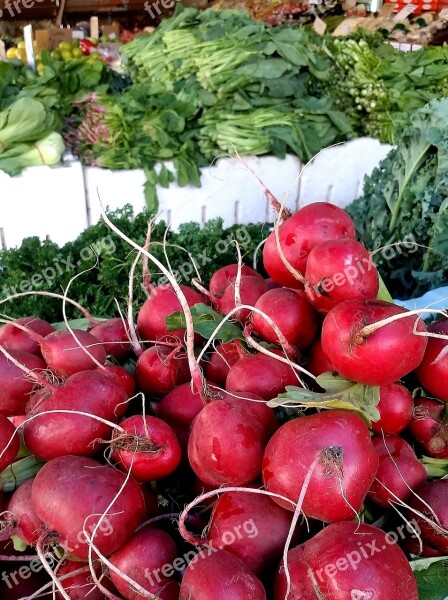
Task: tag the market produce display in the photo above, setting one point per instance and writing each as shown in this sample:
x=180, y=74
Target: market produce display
x=238, y=437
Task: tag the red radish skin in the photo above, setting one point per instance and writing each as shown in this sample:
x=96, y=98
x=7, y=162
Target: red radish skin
x=379, y=358
x=8, y=450
x=221, y=359
x=220, y=576
x=395, y=408
x=291, y=312
x=22, y=516
x=12, y=338
x=262, y=375
x=347, y=561
x=432, y=501
x=340, y=270
x=428, y=426
x=298, y=235
x=223, y=277
x=72, y=492
x=258, y=408
x=179, y=407
x=81, y=586
x=142, y=559
x=151, y=450
x=399, y=471
x=251, y=289
x=414, y=546
x=226, y=444
x=161, y=303
x=15, y=385
x=63, y=355
x=347, y=464
x=318, y=362
x=13, y=586
x=157, y=370
x=114, y=336
x=125, y=378
x=57, y=434
x=252, y=527
x=432, y=372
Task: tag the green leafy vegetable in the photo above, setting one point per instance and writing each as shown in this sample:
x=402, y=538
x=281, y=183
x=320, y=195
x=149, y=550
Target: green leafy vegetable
x=205, y=321
x=432, y=577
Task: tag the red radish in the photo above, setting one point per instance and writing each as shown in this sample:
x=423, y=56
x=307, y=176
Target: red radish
x=21, y=515
x=221, y=359
x=224, y=276
x=114, y=336
x=345, y=468
x=271, y=284
x=291, y=312
x=146, y=558
x=428, y=426
x=151, y=501
x=81, y=586
x=257, y=407
x=250, y=526
x=347, y=561
x=415, y=546
x=57, y=434
x=14, y=586
x=220, y=576
x=318, y=362
x=179, y=407
x=298, y=235
x=432, y=501
x=8, y=450
x=251, y=289
x=149, y=449
x=260, y=374
x=15, y=385
x=363, y=351
x=124, y=377
x=161, y=303
x=226, y=444
x=64, y=356
x=339, y=270
x=13, y=338
x=72, y=492
x=157, y=370
x=395, y=408
x=399, y=471
x=432, y=372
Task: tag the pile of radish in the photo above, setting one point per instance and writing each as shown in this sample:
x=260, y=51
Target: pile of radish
x=170, y=464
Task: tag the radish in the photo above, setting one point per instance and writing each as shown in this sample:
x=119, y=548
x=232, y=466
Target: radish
x=291, y=312
x=318, y=362
x=65, y=357
x=346, y=464
x=395, y=408
x=21, y=516
x=124, y=377
x=251, y=289
x=399, y=471
x=146, y=558
x=340, y=270
x=114, y=336
x=224, y=276
x=226, y=444
x=219, y=575
x=157, y=370
x=364, y=349
x=81, y=586
x=150, y=449
x=298, y=235
x=15, y=386
x=161, y=303
x=49, y=435
x=347, y=561
x=221, y=359
x=8, y=449
x=13, y=338
x=72, y=492
x=179, y=407
x=429, y=428
x=432, y=501
x=252, y=527
x=257, y=407
x=260, y=374
x=432, y=372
